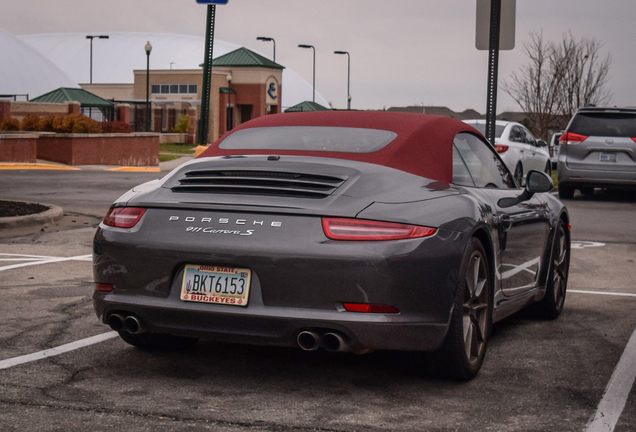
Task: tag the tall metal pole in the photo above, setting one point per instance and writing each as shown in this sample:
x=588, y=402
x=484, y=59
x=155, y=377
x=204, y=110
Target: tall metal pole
x=269, y=39
x=148, y=48
x=314, y=83
x=91, y=37
x=207, y=77
x=91, y=79
x=493, y=66
x=348, y=77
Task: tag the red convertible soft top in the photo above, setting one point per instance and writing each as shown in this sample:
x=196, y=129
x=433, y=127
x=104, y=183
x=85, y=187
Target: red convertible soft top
x=423, y=145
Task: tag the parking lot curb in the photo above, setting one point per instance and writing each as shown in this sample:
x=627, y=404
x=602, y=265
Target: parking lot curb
x=53, y=214
x=135, y=169
x=35, y=166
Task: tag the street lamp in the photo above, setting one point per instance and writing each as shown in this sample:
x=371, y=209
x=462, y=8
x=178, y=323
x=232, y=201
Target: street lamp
x=348, y=76
x=229, y=112
x=314, y=85
x=269, y=39
x=148, y=48
x=91, y=38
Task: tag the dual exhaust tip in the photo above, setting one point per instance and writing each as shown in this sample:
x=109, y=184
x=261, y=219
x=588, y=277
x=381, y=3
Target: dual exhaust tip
x=332, y=342
x=131, y=323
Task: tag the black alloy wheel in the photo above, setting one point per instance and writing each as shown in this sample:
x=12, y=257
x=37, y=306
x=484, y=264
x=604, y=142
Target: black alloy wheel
x=464, y=348
x=566, y=191
x=552, y=304
x=548, y=169
x=519, y=174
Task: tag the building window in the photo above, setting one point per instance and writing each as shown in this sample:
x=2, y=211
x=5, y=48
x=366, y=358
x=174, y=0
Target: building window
x=174, y=88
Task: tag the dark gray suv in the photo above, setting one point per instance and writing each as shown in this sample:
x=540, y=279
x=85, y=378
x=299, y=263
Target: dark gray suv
x=598, y=149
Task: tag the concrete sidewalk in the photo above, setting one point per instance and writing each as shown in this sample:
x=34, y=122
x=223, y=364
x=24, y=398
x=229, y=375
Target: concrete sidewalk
x=47, y=165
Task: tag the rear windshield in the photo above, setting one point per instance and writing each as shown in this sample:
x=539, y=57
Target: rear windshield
x=604, y=124
x=309, y=138
x=481, y=127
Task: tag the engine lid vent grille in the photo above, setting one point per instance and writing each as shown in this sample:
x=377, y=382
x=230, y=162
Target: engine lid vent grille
x=256, y=182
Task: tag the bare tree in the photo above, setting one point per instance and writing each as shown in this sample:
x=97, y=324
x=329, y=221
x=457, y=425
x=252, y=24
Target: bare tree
x=586, y=75
x=559, y=79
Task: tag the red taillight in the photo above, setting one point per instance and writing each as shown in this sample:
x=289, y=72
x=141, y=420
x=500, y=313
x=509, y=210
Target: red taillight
x=634, y=139
x=354, y=229
x=123, y=217
x=370, y=308
x=103, y=287
x=501, y=148
x=572, y=138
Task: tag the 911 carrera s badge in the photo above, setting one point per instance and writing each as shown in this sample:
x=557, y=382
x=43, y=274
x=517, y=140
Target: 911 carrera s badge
x=216, y=284
x=212, y=230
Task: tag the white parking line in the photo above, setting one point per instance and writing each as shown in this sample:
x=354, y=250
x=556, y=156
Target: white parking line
x=46, y=260
x=616, y=392
x=602, y=293
x=4, y=364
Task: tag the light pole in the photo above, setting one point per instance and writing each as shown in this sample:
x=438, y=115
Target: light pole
x=148, y=48
x=229, y=113
x=91, y=37
x=348, y=76
x=268, y=39
x=314, y=85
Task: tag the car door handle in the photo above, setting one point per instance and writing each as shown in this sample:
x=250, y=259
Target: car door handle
x=505, y=222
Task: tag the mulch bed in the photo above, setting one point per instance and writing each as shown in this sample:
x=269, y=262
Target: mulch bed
x=16, y=208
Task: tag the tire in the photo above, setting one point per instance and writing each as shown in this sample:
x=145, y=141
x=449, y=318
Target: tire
x=158, y=341
x=519, y=174
x=551, y=306
x=566, y=191
x=548, y=169
x=462, y=352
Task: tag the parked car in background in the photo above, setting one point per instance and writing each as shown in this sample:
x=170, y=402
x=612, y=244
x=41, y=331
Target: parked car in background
x=598, y=149
x=517, y=147
x=553, y=148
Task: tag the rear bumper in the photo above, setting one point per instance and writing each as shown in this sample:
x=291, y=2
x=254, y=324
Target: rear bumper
x=599, y=178
x=275, y=326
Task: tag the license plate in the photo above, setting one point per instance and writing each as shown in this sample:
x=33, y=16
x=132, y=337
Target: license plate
x=608, y=157
x=216, y=284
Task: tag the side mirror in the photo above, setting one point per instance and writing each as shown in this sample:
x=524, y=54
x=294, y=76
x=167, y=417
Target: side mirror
x=536, y=182
x=541, y=143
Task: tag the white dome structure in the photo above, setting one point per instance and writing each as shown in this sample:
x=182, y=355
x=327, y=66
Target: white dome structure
x=114, y=59
x=25, y=71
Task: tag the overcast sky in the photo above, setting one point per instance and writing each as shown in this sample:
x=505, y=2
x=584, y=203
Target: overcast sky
x=403, y=52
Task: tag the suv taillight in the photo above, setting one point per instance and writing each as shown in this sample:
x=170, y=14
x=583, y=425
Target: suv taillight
x=572, y=138
x=123, y=217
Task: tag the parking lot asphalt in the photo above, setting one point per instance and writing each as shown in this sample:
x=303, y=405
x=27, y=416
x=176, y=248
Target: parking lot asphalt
x=538, y=375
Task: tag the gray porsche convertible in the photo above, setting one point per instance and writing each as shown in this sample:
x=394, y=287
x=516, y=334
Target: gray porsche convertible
x=343, y=231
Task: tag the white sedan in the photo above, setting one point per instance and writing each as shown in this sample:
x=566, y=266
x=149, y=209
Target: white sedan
x=518, y=148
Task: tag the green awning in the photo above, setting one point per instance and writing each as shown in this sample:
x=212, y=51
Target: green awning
x=68, y=94
x=306, y=106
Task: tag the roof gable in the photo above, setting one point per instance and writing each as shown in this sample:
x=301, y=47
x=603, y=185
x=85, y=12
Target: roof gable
x=68, y=94
x=243, y=57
